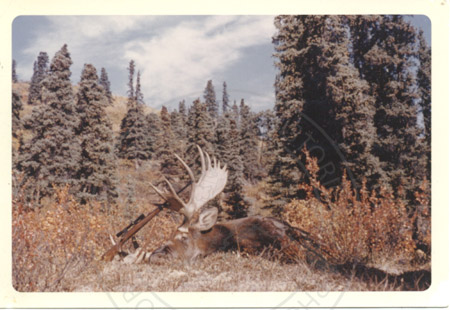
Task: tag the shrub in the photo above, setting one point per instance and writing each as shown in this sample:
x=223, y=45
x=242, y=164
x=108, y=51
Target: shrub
x=62, y=239
x=355, y=226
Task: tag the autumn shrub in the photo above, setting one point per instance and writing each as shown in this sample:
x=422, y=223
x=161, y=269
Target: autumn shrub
x=61, y=240
x=355, y=226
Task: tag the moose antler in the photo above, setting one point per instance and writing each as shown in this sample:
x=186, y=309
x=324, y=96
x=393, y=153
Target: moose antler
x=211, y=182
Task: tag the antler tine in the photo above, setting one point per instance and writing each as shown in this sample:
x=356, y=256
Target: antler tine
x=202, y=158
x=174, y=193
x=191, y=174
x=209, y=161
x=158, y=191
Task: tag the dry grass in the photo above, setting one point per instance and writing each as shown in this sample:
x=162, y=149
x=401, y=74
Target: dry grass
x=218, y=272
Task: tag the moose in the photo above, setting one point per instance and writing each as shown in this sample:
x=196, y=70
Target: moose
x=200, y=235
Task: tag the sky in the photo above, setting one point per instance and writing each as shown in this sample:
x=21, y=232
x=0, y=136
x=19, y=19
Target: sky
x=176, y=55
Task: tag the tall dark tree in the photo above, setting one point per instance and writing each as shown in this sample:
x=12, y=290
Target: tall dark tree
x=225, y=98
x=40, y=70
x=229, y=145
x=104, y=81
x=385, y=56
x=131, y=95
x=169, y=144
x=132, y=141
x=248, y=134
x=352, y=106
x=52, y=155
x=153, y=133
x=200, y=129
x=424, y=84
x=210, y=100
x=182, y=110
x=97, y=165
x=178, y=126
x=14, y=77
x=17, y=108
x=139, y=97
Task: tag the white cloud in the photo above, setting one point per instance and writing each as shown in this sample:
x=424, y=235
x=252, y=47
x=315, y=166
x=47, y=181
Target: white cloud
x=179, y=60
x=86, y=37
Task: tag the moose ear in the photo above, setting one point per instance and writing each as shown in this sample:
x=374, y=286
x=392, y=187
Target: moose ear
x=207, y=219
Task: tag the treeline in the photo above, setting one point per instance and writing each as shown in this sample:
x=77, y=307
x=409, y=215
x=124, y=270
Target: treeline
x=72, y=140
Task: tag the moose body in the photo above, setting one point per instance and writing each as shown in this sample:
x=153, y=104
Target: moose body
x=251, y=235
x=200, y=235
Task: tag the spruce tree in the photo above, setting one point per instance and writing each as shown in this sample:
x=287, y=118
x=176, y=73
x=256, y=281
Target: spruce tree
x=353, y=107
x=132, y=142
x=104, y=81
x=291, y=46
x=178, y=126
x=200, y=129
x=182, y=111
x=17, y=108
x=385, y=58
x=210, y=100
x=153, y=133
x=52, y=155
x=225, y=98
x=139, y=97
x=40, y=71
x=14, y=77
x=97, y=167
x=228, y=143
x=248, y=134
x=424, y=89
x=169, y=144
x=131, y=95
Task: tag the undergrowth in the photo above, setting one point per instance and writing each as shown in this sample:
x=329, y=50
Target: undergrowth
x=361, y=227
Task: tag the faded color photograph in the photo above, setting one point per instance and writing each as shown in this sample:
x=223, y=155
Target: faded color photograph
x=221, y=153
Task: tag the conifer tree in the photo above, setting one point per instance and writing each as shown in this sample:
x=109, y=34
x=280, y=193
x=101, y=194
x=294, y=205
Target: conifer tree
x=424, y=89
x=131, y=95
x=385, y=57
x=153, y=133
x=97, y=165
x=17, y=108
x=228, y=143
x=139, y=97
x=132, y=143
x=200, y=129
x=14, y=77
x=169, y=144
x=210, y=100
x=40, y=70
x=353, y=107
x=235, y=112
x=225, y=98
x=104, y=81
x=178, y=126
x=249, y=141
x=52, y=155
x=182, y=111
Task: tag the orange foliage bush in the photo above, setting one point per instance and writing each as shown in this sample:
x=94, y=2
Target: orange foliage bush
x=62, y=239
x=354, y=226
